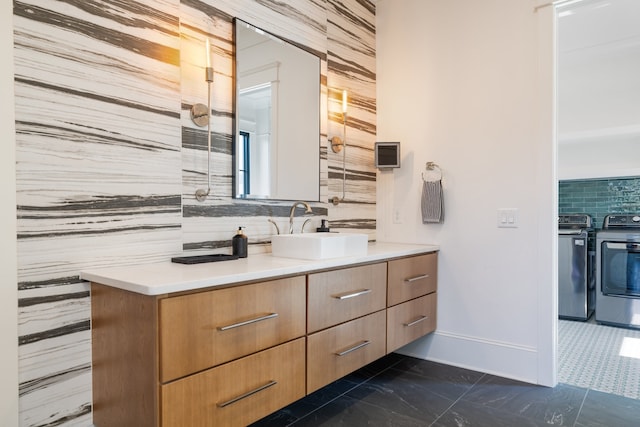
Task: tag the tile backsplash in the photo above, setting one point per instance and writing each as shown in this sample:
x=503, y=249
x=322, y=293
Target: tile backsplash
x=599, y=197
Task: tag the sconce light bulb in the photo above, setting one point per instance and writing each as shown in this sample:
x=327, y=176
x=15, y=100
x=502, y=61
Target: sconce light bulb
x=208, y=52
x=344, y=101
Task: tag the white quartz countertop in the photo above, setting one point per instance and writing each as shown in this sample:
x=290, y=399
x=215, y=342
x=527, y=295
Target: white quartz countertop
x=168, y=277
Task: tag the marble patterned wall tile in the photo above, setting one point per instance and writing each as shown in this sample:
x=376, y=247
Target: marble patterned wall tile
x=108, y=158
x=56, y=390
x=97, y=95
x=351, y=67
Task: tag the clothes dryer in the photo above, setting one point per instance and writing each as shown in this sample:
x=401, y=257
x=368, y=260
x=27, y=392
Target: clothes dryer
x=618, y=265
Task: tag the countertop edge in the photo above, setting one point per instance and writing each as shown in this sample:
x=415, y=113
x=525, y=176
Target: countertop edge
x=167, y=277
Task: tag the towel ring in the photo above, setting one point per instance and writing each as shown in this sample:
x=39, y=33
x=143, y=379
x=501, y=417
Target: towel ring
x=431, y=166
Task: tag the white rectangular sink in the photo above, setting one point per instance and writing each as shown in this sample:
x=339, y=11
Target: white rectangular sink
x=319, y=245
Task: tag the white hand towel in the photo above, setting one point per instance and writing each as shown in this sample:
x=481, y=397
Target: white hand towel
x=432, y=202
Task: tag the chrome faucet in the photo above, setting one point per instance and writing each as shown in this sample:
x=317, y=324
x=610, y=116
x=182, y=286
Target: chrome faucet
x=275, y=225
x=293, y=212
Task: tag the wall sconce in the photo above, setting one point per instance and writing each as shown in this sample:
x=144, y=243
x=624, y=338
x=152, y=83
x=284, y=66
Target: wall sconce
x=337, y=143
x=201, y=116
x=340, y=144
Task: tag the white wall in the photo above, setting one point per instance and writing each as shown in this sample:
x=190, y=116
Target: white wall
x=599, y=158
x=8, y=266
x=459, y=84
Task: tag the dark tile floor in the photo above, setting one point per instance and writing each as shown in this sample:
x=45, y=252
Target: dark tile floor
x=399, y=391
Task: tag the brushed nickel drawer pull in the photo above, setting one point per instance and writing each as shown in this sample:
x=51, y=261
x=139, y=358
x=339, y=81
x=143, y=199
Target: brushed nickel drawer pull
x=247, y=394
x=418, y=320
x=248, y=322
x=413, y=279
x=353, y=294
x=354, y=348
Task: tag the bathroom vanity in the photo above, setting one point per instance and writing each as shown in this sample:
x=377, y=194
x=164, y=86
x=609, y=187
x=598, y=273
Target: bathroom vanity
x=228, y=343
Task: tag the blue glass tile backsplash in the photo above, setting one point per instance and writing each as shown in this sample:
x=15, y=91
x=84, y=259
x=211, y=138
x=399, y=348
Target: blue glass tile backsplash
x=599, y=197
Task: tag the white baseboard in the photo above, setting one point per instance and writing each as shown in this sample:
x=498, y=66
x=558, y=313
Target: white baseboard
x=491, y=357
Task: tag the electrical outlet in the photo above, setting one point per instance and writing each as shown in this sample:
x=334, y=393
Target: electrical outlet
x=508, y=218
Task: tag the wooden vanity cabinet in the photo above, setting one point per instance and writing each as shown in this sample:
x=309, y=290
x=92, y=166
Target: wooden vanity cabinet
x=224, y=357
x=230, y=356
x=337, y=296
x=412, y=277
x=346, y=321
x=409, y=321
x=340, y=350
x=125, y=358
x=205, y=329
x=237, y=393
x=412, y=299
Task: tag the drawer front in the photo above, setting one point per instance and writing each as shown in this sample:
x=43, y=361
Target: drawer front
x=335, y=352
x=199, y=331
x=412, y=277
x=411, y=320
x=239, y=392
x=341, y=295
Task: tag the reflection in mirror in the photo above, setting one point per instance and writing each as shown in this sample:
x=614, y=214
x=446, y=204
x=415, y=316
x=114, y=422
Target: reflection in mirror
x=277, y=149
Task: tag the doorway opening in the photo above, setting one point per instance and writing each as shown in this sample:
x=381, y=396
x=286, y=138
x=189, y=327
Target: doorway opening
x=598, y=167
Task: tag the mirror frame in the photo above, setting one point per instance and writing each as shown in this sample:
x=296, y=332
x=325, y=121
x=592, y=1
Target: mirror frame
x=236, y=118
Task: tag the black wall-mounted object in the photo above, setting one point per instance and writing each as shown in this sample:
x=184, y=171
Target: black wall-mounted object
x=387, y=155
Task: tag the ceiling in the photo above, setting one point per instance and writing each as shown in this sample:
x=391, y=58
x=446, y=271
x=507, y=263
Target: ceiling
x=594, y=25
x=598, y=69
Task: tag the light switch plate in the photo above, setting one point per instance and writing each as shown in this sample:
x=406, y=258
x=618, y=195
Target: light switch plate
x=397, y=216
x=508, y=218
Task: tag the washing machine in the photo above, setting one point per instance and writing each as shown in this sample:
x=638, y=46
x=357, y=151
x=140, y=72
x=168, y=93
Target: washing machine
x=576, y=281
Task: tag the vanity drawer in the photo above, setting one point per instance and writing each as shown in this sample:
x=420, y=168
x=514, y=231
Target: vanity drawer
x=201, y=330
x=409, y=321
x=239, y=392
x=341, y=295
x=335, y=352
x=412, y=277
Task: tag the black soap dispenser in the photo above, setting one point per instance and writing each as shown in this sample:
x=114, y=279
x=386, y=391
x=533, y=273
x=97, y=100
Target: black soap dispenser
x=324, y=228
x=239, y=244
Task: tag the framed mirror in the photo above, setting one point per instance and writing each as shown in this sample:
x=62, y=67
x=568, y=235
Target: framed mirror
x=277, y=126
